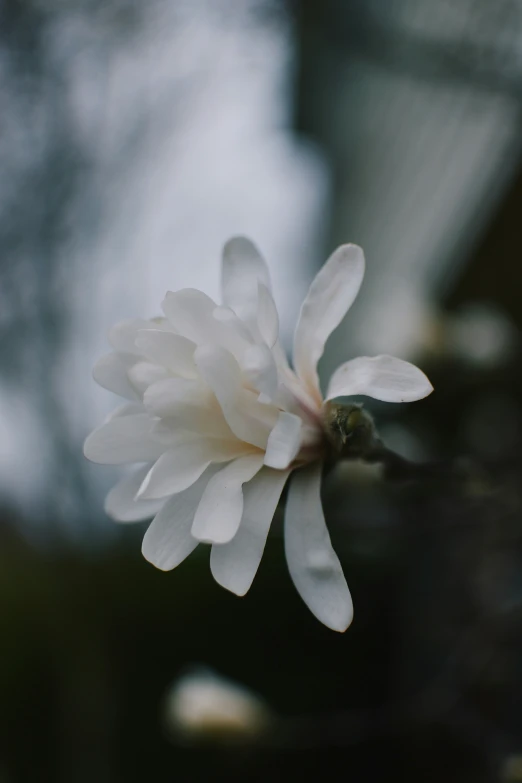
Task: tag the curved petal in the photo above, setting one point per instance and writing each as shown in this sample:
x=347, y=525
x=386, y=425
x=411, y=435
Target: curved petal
x=123, y=439
x=168, y=350
x=121, y=504
x=165, y=397
x=314, y=567
x=267, y=316
x=250, y=420
x=330, y=296
x=123, y=335
x=144, y=374
x=219, y=513
x=188, y=311
x=182, y=465
x=284, y=441
x=168, y=541
x=260, y=368
x=188, y=405
x=111, y=372
x=243, y=267
x=381, y=377
x=226, y=316
x=127, y=409
x=197, y=317
x=234, y=565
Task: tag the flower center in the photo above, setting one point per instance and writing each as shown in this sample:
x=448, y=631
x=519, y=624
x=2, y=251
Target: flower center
x=349, y=429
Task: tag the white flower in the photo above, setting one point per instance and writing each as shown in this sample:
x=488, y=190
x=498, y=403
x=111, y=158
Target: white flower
x=221, y=421
x=204, y=704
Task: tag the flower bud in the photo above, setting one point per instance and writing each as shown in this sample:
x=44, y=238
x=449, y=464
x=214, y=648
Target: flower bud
x=350, y=429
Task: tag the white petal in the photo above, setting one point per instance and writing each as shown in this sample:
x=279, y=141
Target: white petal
x=188, y=405
x=169, y=350
x=196, y=317
x=224, y=315
x=168, y=541
x=287, y=401
x=182, y=465
x=312, y=562
x=330, y=296
x=243, y=267
x=230, y=332
x=111, y=372
x=123, y=439
x=165, y=397
x=234, y=565
x=284, y=441
x=250, y=420
x=127, y=409
x=190, y=311
x=122, y=336
x=267, y=317
x=219, y=513
x=381, y=377
x=280, y=357
x=144, y=374
x=260, y=368
x=121, y=503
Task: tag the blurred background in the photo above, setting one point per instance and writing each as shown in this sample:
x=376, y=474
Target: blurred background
x=135, y=138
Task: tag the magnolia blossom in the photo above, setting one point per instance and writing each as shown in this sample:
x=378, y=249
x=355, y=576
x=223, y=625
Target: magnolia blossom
x=221, y=422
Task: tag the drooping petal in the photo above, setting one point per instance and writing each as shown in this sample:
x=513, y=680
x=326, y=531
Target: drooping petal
x=168, y=541
x=183, y=463
x=330, y=296
x=381, y=377
x=234, y=565
x=123, y=335
x=284, y=441
x=121, y=503
x=219, y=513
x=111, y=372
x=267, y=316
x=168, y=350
x=314, y=567
x=250, y=420
x=260, y=368
x=243, y=267
x=123, y=439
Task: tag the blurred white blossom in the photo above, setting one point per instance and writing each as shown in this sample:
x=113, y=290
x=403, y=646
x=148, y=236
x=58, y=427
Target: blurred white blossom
x=221, y=420
x=481, y=334
x=204, y=705
x=478, y=333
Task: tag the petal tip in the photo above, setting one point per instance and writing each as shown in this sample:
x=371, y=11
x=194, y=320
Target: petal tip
x=207, y=537
x=341, y=622
x=85, y=448
x=238, y=591
x=152, y=557
x=237, y=242
x=351, y=252
x=88, y=450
